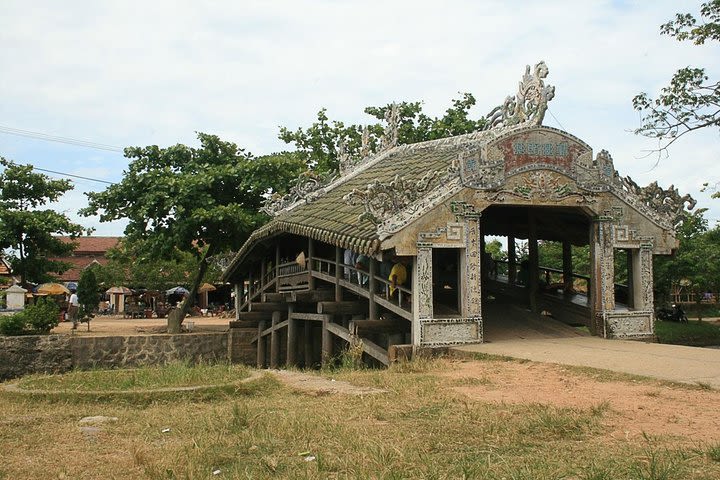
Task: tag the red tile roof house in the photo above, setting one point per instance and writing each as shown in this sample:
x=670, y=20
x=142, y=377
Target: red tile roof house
x=89, y=250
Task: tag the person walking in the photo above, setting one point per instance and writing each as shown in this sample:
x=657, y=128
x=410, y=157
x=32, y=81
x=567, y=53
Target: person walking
x=73, y=307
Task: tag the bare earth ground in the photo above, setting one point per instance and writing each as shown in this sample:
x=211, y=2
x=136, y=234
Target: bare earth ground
x=117, y=325
x=637, y=407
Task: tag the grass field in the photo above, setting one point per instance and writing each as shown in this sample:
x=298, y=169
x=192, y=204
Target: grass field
x=421, y=428
x=693, y=333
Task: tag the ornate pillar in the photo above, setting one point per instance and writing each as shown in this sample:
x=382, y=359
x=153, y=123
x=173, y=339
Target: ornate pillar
x=422, y=289
x=472, y=284
x=602, y=273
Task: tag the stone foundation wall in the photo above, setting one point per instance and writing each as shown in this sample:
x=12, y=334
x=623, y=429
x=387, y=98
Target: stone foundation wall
x=61, y=353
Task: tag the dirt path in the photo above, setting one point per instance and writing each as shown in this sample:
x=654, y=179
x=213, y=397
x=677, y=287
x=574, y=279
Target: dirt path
x=316, y=385
x=117, y=325
x=690, y=414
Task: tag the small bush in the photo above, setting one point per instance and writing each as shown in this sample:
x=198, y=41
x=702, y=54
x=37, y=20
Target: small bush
x=35, y=319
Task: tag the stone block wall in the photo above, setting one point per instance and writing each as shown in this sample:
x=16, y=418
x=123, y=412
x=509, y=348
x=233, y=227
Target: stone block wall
x=61, y=353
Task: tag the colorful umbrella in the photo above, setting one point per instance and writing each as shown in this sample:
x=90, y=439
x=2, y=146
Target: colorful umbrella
x=120, y=290
x=206, y=287
x=52, y=289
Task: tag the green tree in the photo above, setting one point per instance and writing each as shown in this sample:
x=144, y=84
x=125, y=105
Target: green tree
x=692, y=100
x=201, y=201
x=318, y=143
x=88, y=290
x=28, y=233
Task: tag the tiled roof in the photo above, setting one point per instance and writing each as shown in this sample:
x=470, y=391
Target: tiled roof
x=90, y=244
x=78, y=265
x=331, y=219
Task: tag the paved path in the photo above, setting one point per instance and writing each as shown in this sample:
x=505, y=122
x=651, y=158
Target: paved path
x=515, y=332
x=667, y=362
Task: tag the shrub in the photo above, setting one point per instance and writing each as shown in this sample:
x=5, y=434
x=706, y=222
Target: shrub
x=35, y=319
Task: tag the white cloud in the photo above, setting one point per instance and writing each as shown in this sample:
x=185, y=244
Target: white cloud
x=137, y=73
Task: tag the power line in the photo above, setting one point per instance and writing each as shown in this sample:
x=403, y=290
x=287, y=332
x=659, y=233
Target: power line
x=74, y=176
x=58, y=139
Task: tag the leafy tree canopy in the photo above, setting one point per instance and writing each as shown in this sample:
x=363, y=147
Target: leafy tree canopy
x=28, y=233
x=318, y=143
x=692, y=100
x=200, y=201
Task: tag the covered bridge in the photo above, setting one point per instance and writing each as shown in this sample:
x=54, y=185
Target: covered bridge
x=428, y=207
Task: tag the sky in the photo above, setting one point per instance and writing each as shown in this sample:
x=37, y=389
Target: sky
x=136, y=73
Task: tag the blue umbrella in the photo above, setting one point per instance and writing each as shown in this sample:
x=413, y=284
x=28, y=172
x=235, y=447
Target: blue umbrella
x=178, y=291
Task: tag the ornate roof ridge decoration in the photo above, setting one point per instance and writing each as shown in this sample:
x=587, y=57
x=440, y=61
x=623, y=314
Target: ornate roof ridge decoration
x=665, y=207
x=307, y=187
x=391, y=134
x=529, y=105
x=382, y=201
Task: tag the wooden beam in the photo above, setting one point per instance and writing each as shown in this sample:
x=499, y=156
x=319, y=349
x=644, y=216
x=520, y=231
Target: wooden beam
x=273, y=297
x=341, y=308
x=261, y=345
x=314, y=317
x=393, y=307
x=338, y=331
x=274, y=341
x=267, y=306
x=512, y=260
x=338, y=273
x=312, y=296
x=308, y=344
x=326, y=353
x=292, y=339
x=311, y=254
x=534, y=273
x=375, y=351
x=254, y=316
x=371, y=286
x=277, y=267
x=567, y=265
x=364, y=327
x=243, y=323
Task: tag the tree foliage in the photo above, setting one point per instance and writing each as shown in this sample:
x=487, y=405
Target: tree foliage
x=200, y=201
x=318, y=143
x=695, y=265
x=691, y=101
x=88, y=290
x=28, y=233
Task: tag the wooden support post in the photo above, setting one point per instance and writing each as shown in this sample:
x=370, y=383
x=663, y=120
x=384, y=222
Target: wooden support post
x=308, y=340
x=250, y=287
x=261, y=344
x=512, y=260
x=263, y=272
x=326, y=344
x=292, y=339
x=311, y=254
x=338, y=274
x=567, y=266
x=275, y=342
x=277, y=267
x=339, y=308
x=372, y=314
x=238, y=297
x=534, y=272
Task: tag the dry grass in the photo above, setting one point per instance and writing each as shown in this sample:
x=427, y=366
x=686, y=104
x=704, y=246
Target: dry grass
x=422, y=428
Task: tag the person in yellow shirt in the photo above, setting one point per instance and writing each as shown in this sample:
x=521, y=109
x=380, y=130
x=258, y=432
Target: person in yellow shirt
x=398, y=276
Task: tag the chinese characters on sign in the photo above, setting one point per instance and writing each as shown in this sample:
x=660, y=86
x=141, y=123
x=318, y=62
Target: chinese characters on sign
x=541, y=149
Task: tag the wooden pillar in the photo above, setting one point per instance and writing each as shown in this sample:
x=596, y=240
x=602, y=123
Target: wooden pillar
x=311, y=254
x=326, y=344
x=261, y=345
x=292, y=338
x=277, y=267
x=512, y=260
x=275, y=342
x=263, y=272
x=338, y=274
x=372, y=313
x=250, y=286
x=238, y=297
x=534, y=271
x=567, y=266
x=308, y=341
